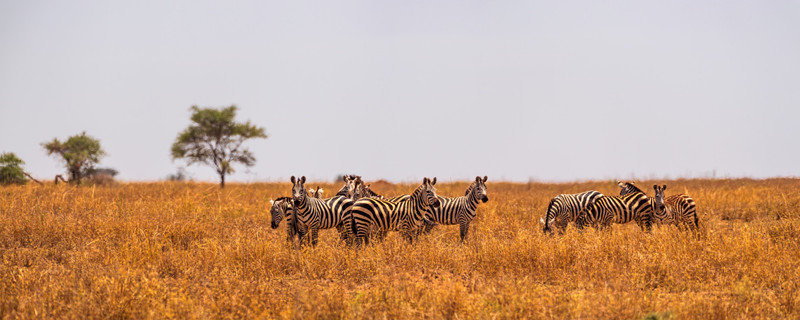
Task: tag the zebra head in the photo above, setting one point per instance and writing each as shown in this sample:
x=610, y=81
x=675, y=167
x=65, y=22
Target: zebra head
x=429, y=196
x=316, y=193
x=358, y=189
x=658, y=201
x=479, y=191
x=350, y=183
x=299, y=192
x=278, y=210
x=627, y=187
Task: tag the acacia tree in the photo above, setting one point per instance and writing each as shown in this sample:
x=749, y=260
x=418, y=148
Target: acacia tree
x=80, y=154
x=216, y=140
x=11, y=169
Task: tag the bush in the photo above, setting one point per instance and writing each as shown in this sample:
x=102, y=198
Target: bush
x=11, y=170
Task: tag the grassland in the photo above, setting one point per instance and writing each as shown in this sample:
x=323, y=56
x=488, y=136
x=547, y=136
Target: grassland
x=191, y=250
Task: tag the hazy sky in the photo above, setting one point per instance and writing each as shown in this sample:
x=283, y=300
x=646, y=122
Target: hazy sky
x=552, y=90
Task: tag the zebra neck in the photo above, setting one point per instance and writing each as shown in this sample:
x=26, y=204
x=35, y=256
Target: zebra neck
x=342, y=191
x=302, y=208
x=417, y=202
x=472, y=200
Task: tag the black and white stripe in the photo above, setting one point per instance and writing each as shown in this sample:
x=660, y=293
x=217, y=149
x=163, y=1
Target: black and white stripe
x=678, y=209
x=460, y=210
x=281, y=208
x=634, y=206
x=317, y=214
x=383, y=215
x=565, y=208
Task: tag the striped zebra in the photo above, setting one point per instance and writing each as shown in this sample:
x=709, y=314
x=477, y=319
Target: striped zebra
x=282, y=208
x=362, y=190
x=317, y=214
x=678, y=209
x=404, y=216
x=565, y=208
x=316, y=193
x=349, y=185
x=460, y=210
x=623, y=209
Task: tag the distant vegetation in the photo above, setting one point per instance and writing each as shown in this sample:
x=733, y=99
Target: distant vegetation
x=215, y=139
x=80, y=153
x=11, y=171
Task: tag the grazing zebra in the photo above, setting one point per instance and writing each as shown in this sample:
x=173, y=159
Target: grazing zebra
x=460, y=210
x=678, y=209
x=623, y=209
x=282, y=208
x=406, y=216
x=565, y=208
x=318, y=214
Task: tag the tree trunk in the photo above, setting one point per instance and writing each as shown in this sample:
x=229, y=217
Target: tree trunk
x=34, y=180
x=222, y=180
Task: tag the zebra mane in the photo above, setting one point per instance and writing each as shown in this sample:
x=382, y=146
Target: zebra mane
x=628, y=187
x=282, y=198
x=471, y=187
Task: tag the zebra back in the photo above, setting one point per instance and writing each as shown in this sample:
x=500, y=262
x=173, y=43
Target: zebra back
x=565, y=208
x=406, y=216
x=623, y=209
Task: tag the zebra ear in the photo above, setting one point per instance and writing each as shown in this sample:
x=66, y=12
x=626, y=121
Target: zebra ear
x=665, y=187
x=485, y=178
x=303, y=179
x=321, y=191
x=434, y=181
x=477, y=179
x=271, y=202
x=655, y=187
x=424, y=180
x=293, y=179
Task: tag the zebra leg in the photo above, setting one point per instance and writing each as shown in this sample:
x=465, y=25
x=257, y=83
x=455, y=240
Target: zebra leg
x=464, y=226
x=562, y=226
x=314, y=235
x=428, y=226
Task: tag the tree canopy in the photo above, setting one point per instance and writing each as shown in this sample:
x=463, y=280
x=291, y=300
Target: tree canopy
x=215, y=139
x=11, y=169
x=80, y=154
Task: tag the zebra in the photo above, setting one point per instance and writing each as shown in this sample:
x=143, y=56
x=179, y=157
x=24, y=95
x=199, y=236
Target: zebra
x=565, y=208
x=362, y=190
x=318, y=214
x=282, y=208
x=634, y=206
x=678, y=209
x=348, y=187
x=460, y=210
x=406, y=216
x=316, y=193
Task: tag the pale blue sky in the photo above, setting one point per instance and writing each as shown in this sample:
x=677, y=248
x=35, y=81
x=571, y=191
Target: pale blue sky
x=555, y=91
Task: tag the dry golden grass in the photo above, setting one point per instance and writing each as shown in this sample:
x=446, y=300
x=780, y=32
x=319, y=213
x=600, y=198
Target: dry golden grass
x=174, y=250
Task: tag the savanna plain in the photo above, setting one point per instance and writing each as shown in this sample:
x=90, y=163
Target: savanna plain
x=193, y=250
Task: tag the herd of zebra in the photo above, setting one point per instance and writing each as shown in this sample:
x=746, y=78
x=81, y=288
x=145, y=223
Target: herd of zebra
x=359, y=213
x=592, y=208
